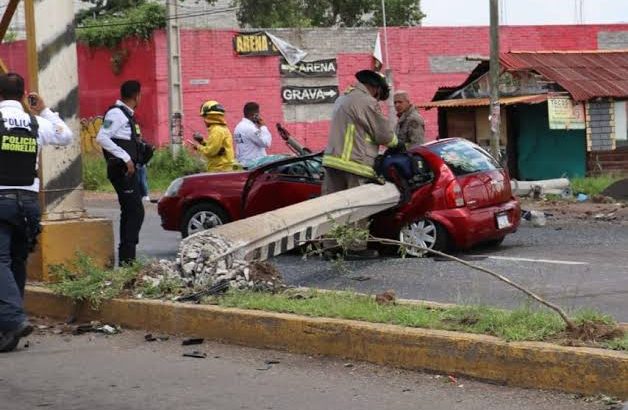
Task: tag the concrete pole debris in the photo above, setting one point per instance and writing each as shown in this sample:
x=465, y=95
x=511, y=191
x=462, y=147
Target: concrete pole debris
x=266, y=235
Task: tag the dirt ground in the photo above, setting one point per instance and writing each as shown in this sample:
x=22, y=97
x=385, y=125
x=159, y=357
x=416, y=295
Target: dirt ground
x=569, y=211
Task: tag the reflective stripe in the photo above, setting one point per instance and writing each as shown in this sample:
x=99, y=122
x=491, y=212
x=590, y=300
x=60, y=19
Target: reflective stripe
x=348, y=142
x=348, y=166
x=393, y=142
x=370, y=139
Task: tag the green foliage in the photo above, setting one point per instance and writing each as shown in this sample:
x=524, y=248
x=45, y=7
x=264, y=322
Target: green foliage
x=592, y=185
x=326, y=13
x=166, y=287
x=83, y=280
x=161, y=170
x=399, y=13
x=127, y=19
x=516, y=325
x=95, y=174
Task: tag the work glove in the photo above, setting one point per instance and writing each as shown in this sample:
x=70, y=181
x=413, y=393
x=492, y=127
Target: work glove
x=400, y=148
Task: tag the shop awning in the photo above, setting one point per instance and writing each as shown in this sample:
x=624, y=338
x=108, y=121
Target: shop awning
x=483, y=102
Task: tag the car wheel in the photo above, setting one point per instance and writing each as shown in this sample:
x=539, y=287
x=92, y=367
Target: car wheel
x=425, y=233
x=201, y=217
x=494, y=243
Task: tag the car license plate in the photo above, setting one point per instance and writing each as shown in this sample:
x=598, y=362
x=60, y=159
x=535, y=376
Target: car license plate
x=502, y=221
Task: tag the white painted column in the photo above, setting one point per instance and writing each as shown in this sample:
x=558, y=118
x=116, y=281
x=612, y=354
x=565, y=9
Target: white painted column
x=61, y=168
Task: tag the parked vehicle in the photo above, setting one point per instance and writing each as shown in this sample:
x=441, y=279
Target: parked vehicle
x=463, y=198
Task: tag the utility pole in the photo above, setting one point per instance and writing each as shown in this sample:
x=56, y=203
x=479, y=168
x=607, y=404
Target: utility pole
x=494, y=80
x=175, y=97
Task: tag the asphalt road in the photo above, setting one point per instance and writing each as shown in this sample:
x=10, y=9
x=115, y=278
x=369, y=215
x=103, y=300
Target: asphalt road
x=123, y=372
x=575, y=263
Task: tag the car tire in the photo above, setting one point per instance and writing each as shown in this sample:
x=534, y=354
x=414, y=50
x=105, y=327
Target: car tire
x=495, y=243
x=202, y=216
x=424, y=232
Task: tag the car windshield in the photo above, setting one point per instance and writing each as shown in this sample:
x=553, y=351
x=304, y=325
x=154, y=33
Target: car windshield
x=463, y=157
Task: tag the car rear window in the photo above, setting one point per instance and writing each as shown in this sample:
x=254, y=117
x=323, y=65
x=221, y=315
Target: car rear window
x=464, y=157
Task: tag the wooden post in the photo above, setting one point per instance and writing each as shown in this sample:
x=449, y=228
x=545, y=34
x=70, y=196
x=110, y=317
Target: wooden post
x=7, y=17
x=31, y=46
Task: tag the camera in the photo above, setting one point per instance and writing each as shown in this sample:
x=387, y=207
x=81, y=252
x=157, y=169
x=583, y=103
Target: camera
x=32, y=100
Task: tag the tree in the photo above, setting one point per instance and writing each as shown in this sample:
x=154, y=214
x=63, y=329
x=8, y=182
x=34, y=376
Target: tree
x=326, y=13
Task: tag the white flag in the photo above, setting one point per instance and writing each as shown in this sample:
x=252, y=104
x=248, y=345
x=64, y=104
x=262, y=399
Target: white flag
x=291, y=53
x=377, y=54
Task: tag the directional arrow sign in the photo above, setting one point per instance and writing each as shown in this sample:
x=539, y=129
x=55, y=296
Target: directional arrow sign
x=319, y=68
x=325, y=94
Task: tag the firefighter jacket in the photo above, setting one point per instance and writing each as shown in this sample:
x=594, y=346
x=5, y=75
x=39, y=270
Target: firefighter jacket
x=218, y=146
x=358, y=127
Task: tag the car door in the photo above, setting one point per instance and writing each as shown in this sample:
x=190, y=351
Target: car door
x=281, y=184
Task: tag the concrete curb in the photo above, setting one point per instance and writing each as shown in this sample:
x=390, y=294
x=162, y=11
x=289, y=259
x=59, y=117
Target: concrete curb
x=524, y=364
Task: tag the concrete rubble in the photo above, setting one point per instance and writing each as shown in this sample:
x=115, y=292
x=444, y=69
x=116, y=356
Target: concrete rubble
x=202, y=263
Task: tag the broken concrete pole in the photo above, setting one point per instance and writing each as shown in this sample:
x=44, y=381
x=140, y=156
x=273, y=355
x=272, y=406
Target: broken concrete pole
x=223, y=252
x=558, y=186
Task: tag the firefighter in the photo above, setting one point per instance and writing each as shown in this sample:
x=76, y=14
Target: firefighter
x=358, y=128
x=218, y=146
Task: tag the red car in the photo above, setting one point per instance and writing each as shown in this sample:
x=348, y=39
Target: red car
x=462, y=197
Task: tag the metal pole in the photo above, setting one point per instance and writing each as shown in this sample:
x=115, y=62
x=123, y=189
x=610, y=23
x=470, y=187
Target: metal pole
x=174, y=78
x=385, y=33
x=494, y=80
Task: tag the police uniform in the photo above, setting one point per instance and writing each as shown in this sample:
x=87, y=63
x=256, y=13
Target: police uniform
x=21, y=136
x=119, y=136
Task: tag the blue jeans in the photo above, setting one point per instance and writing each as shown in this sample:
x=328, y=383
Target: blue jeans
x=142, y=174
x=19, y=227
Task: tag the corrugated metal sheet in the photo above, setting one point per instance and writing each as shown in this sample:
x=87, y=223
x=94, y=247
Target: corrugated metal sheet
x=584, y=74
x=481, y=102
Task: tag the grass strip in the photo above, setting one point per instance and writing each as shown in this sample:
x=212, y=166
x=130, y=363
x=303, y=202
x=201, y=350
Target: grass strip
x=523, y=324
x=592, y=185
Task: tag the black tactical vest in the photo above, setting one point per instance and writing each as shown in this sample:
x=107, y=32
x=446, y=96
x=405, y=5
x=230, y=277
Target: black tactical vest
x=18, y=152
x=130, y=146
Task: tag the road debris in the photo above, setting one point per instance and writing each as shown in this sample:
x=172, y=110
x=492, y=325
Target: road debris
x=150, y=338
x=386, y=298
x=190, y=342
x=195, y=354
x=96, y=327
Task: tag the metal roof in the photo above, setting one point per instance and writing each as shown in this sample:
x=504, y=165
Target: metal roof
x=481, y=102
x=584, y=74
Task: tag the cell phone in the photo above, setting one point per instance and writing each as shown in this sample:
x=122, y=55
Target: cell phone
x=32, y=100
x=256, y=118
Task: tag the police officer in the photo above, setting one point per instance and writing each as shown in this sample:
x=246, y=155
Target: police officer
x=120, y=138
x=21, y=136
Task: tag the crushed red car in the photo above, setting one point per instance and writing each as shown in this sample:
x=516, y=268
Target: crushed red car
x=460, y=197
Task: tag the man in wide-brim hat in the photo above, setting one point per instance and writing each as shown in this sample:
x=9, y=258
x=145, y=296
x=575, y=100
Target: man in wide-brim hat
x=358, y=128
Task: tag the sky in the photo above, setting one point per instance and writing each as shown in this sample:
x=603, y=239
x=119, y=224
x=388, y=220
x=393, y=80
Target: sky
x=523, y=12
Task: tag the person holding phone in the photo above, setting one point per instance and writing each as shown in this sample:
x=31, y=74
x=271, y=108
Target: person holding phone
x=22, y=134
x=251, y=136
x=217, y=148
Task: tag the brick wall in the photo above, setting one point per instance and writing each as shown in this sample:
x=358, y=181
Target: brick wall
x=422, y=59
x=600, y=126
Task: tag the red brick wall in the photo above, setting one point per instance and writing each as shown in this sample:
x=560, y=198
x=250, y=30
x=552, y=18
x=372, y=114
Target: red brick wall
x=234, y=80
x=100, y=87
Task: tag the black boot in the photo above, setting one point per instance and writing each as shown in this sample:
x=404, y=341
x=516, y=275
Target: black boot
x=126, y=254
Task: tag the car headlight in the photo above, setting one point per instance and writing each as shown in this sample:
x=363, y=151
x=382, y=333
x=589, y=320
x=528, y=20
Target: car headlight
x=173, y=188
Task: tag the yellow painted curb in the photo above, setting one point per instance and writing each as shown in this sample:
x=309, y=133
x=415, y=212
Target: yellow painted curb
x=59, y=242
x=525, y=364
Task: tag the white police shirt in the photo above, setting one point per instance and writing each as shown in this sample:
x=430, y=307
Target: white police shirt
x=52, y=131
x=251, y=141
x=115, y=125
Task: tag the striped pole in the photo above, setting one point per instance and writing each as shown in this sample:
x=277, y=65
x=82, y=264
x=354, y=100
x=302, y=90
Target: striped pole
x=53, y=72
